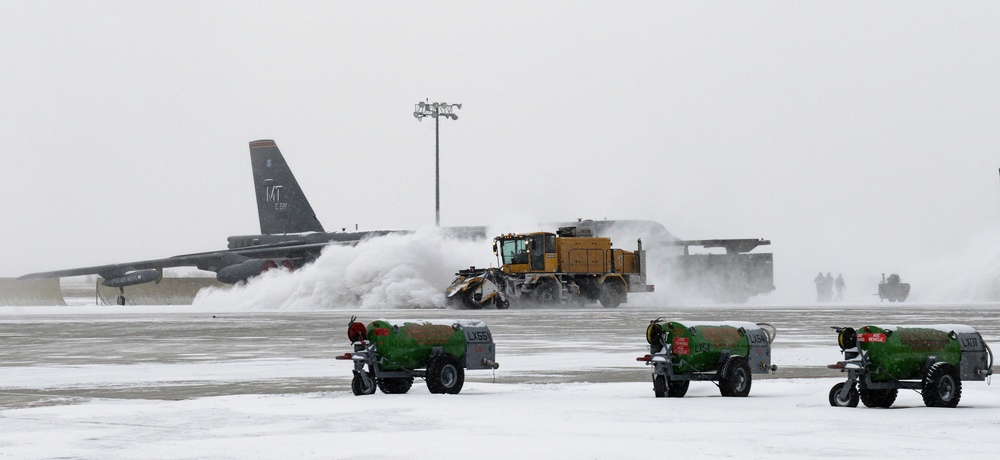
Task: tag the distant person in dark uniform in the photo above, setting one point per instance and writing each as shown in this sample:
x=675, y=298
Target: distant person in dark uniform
x=839, y=283
x=820, y=281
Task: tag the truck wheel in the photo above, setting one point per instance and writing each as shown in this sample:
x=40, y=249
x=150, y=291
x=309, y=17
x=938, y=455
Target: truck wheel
x=678, y=388
x=589, y=288
x=837, y=401
x=611, y=295
x=736, y=378
x=659, y=386
x=546, y=293
x=362, y=386
x=395, y=385
x=942, y=387
x=445, y=374
x=502, y=304
x=878, y=398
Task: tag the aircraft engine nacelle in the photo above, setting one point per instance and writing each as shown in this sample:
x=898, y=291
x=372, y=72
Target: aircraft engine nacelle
x=134, y=277
x=248, y=269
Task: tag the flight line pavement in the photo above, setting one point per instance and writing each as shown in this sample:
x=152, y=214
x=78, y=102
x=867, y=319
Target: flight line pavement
x=67, y=355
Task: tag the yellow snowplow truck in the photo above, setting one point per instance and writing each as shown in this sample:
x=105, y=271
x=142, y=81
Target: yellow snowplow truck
x=570, y=266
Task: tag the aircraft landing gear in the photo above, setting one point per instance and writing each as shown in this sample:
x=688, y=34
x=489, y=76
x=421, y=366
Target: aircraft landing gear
x=121, y=296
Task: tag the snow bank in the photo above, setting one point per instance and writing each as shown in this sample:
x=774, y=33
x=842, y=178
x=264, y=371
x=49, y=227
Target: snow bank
x=780, y=419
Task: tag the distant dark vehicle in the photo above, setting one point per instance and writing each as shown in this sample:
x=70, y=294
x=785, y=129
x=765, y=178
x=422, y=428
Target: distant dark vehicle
x=892, y=290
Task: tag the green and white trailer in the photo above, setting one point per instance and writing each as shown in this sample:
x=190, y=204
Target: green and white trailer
x=389, y=354
x=727, y=352
x=933, y=360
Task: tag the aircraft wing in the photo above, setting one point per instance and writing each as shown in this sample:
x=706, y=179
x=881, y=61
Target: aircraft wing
x=210, y=261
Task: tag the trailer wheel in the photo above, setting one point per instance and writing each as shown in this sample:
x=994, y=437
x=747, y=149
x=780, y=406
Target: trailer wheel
x=678, y=388
x=837, y=401
x=878, y=398
x=362, y=386
x=942, y=386
x=395, y=385
x=611, y=294
x=445, y=374
x=659, y=386
x=736, y=378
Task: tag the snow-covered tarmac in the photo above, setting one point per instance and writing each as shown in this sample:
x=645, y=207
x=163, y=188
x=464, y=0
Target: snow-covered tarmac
x=177, y=382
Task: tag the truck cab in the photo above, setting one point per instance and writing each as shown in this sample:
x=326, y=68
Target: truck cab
x=527, y=253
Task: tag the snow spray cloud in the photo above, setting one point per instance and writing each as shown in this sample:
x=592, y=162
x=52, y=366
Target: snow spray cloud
x=970, y=277
x=395, y=271
x=672, y=287
x=412, y=271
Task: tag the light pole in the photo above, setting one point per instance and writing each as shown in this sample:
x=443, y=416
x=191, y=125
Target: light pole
x=436, y=110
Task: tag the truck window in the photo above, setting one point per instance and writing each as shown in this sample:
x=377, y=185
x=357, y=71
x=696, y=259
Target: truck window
x=514, y=252
x=537, y=252
x=550, y=244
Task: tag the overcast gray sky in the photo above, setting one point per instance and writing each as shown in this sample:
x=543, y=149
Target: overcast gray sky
x=857, y=137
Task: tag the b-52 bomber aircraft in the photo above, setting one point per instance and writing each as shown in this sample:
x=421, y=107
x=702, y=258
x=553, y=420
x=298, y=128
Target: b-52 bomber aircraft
x=290, y=235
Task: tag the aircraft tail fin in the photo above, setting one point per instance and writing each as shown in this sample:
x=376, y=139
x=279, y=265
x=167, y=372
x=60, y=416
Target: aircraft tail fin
x=281, y=204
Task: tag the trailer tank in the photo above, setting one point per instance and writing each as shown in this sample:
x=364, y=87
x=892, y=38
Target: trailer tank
x=408, y=345
x=932, y=359
x=396, y=351
x=728, y=352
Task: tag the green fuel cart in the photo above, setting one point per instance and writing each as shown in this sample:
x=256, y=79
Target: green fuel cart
x=726, y=352
x=933, y=360
x=396, y=351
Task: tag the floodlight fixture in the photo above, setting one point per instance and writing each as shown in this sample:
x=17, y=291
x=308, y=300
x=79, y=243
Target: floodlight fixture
x=436, y=110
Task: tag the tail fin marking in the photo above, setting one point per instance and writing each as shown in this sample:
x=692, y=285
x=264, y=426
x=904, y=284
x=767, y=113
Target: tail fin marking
x=281, y=204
